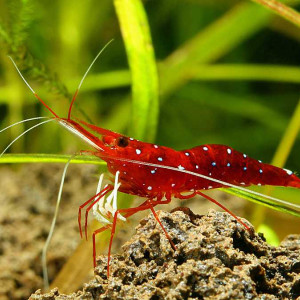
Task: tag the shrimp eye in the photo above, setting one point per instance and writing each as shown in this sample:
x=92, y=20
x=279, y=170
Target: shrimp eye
x=122, y=141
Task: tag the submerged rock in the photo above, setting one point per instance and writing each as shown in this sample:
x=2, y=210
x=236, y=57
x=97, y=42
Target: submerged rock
x=215, y=258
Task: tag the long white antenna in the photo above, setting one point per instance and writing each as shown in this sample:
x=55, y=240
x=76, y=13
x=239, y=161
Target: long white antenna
x=79, y=86
x=25, y=133
x=34, y=93
x=46, y=246
x=21, y=74
x=23, y=121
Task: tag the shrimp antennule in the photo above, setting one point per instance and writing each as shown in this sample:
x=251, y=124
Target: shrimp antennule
x=34, y=93
x=85, y=74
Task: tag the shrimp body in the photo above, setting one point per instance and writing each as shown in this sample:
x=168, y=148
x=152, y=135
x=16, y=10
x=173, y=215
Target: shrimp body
x=216, y=161
x=146, y=179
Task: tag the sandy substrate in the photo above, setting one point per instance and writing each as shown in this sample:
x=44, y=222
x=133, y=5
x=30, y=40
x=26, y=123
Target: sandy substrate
x=215, y=258
x=28, y=196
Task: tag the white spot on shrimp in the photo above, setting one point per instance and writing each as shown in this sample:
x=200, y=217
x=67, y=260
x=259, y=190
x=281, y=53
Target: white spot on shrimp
x=187, y=154
x=210, y=187
x=180, y=167
x=205, y=148
x=245, y=168
x=213, y=163
x=243, y=183
x=124, y=165
x=125, y=173
x=245, y=155
x=173, y=184
x=228, y=164
x=289, y=172
x=228, y=150
x=209, y=174
x=149, y=188
x=155, y=146
x=153, y=171
x=259, y=184
x=138, y=151
x=260, y=171
x=260, y=161
x=159, y=159
x=131, y=139
x=197, y=167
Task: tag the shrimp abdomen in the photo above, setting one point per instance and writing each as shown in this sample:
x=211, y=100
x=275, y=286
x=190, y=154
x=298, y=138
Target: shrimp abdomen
x=226, y=164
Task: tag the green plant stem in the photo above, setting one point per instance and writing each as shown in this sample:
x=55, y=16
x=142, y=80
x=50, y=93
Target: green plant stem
x=263, y=201
x=282, y=10
x=140, y=53
x=275, y=73
x=285, y=146
x=49, y=158
x=107, y=80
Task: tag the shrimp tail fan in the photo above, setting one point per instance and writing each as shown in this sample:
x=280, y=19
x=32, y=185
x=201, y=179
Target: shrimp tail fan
x=272, y=175
x=294, y=182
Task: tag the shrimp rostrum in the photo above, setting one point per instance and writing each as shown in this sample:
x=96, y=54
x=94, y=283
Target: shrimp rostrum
x=159, y=173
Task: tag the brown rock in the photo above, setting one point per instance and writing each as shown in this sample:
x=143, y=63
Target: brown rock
x=215, y=258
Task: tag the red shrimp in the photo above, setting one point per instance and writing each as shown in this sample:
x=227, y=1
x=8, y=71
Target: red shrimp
x=156, y=172
x=159, y=173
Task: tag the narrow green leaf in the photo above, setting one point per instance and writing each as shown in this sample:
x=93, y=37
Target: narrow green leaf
x=263, y=201
x=276, y=73
x=288, y=139
x=281, y=155
x=105, y=80
x=136, y=34
x=49, y=158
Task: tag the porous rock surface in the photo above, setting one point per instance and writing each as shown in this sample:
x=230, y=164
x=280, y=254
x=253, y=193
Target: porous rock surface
x=215, y=258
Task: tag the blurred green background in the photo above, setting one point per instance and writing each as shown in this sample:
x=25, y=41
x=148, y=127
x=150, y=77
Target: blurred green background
x=228, y=73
